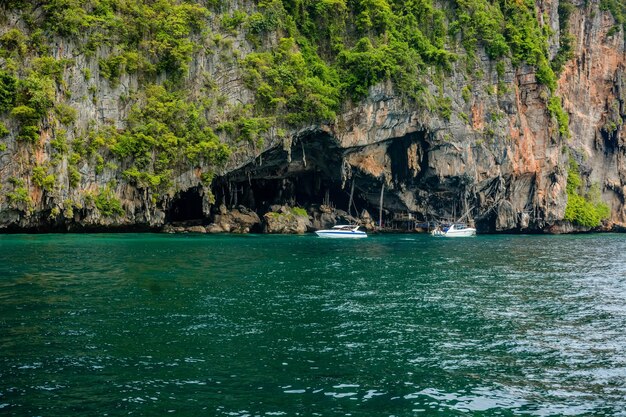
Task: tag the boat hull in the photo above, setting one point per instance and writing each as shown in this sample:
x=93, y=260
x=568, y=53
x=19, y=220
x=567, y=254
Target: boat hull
x=460, y=233
x=455, y=231
x=341, y=234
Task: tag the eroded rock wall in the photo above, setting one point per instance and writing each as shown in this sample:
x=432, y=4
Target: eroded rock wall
x=496, y=158
x=592, y=87
x=499, y=159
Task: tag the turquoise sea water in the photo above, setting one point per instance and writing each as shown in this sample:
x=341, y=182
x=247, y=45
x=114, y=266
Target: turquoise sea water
x=395, y=325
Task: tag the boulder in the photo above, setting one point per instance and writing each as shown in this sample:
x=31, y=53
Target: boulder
x=239, y=220
x=325, y=217
x=168, y=228
x=566, y=227
x=287, y=221
x=214, y=228
x=367, y=222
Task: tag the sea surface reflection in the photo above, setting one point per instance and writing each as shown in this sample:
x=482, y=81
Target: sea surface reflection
x=396, y=325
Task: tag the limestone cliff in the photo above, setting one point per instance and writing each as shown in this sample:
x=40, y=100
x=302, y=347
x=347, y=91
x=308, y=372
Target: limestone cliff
x=487, y=140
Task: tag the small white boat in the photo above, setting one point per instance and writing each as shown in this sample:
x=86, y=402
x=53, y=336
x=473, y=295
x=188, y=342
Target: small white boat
x=342, y=231
x=455, y=230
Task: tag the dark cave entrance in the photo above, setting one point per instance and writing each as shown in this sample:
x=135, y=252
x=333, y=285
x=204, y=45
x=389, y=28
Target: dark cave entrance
x=186, y=206
x=316, y=172
x=304, y=190
x=610, y=139
x=409, y=157
x=310, y=176
x=317, y=188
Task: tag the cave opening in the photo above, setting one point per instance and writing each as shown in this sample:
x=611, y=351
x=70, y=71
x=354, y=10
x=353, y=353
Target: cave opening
x=315, y=172
x=304, y=189
x=486, y=222
x=610, y=139
x=409, y=157
x=311, y=174
x=186, y=206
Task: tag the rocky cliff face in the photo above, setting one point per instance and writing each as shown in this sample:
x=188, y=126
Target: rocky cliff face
x=592, y=87
x=496, y=154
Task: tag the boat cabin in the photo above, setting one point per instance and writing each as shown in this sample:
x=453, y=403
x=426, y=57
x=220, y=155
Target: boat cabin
x=344, y=227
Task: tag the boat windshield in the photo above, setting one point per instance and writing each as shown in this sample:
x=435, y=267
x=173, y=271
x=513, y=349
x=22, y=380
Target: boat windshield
x=344, y=227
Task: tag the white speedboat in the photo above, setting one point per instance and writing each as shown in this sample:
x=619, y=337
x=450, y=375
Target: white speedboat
x=455, y=230
x=342, y=231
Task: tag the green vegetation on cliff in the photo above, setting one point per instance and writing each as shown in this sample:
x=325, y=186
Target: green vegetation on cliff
x=292, y=83
x=618, y=10
x=587, y=209
x=168, y=65
x=328, y=50
x=107, y=204
x=556, y=110
x=162, y=133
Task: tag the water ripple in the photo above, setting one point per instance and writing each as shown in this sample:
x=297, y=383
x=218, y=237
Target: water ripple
x=263, y=325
